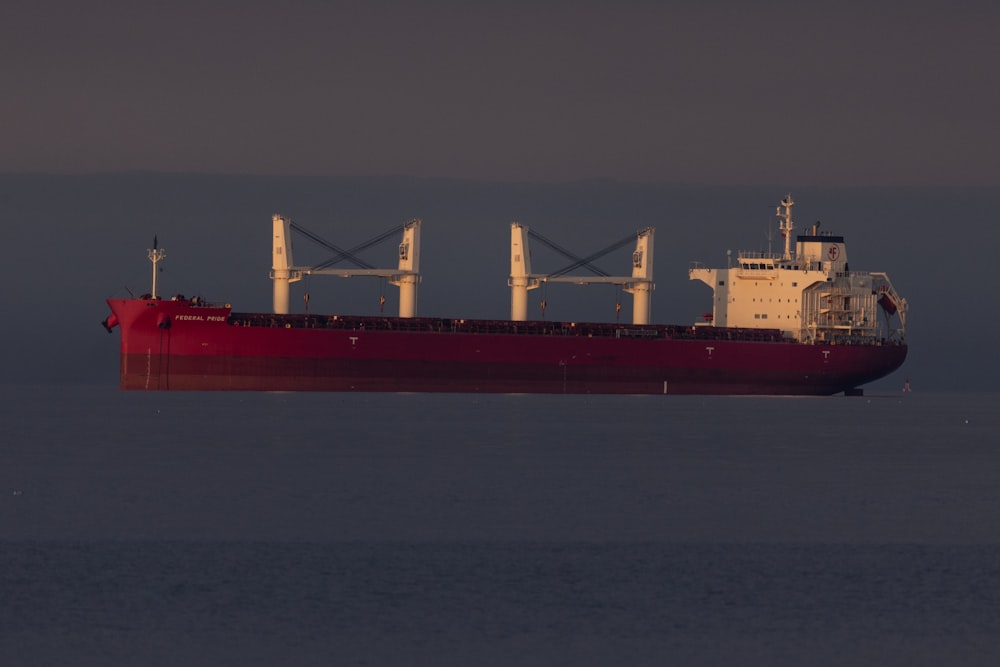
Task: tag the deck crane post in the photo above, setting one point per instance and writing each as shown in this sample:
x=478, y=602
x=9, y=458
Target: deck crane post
x=406, y=275
x=639, y=284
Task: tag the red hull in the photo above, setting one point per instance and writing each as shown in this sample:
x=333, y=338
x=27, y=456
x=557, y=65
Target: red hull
x=180, y=346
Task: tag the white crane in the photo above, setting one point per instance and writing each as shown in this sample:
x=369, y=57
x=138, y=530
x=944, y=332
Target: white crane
x=639, y=284
x=406, y=275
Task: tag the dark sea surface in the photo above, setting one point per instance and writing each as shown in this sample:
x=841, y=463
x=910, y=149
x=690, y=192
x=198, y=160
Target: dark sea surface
x=413, y=529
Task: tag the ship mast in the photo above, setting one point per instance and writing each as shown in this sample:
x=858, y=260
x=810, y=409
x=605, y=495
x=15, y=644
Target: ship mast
x=785, y=225
x=155, y=256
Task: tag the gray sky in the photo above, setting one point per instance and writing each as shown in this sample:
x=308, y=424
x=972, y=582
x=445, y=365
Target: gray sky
x=720, y=93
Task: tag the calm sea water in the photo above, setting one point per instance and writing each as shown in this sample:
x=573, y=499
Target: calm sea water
x=336, y=529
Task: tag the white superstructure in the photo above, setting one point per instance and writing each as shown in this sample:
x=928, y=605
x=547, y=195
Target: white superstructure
x=810, y=294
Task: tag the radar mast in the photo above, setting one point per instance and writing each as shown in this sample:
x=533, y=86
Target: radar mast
x=785, y=225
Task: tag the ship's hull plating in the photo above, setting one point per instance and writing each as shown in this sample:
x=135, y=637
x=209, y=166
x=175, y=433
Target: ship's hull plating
x=168, y=345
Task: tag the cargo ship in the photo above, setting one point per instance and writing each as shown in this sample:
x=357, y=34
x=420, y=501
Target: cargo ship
x=797, y=322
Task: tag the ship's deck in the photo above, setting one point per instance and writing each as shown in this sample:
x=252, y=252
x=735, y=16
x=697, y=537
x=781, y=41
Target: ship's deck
x=504, y=327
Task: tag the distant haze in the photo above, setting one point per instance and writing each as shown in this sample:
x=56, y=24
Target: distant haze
x=720, y=93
